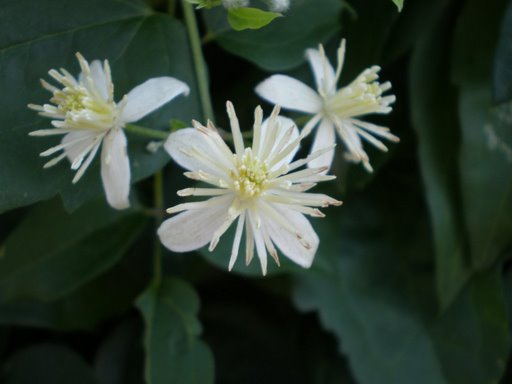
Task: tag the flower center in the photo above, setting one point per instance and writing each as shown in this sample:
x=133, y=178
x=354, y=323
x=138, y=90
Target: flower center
x=251, y=176
x=361, y=97
x=81, y=107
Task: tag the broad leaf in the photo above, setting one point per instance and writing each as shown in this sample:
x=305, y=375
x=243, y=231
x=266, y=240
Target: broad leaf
x=110, y=294
x=48, y=364
x=139, y=46
x=434, y=115
x=378, y=305
x=174, y=351
x=399, y=4
x=281, y=44
x=486, y=148
x=52, y=253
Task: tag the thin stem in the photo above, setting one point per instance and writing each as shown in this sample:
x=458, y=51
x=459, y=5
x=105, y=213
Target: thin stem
x=199, y=62
x=147, y=132
x=158, y=196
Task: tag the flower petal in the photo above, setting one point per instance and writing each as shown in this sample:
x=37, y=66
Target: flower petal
x=81, y=139
x=115, y=169
x=289, y=93
x=100, y=80
x=300, y=250
x=150, y=95
x=323, y=71
x=192, y=149
x=325, y=137
x=194, y=229
x=283, y=124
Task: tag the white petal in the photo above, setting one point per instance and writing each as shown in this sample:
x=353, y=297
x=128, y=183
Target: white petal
x=289, y=93
x=193, y=229
x=299, y=250
x=283, y=124
x=115, y=169
x=82, y=139
x=150, y=95
x=195, y=151
x=100, y=80
x=325, y=137
x=323, y=71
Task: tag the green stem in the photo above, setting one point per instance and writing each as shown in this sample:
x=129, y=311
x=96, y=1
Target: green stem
x=158, y=196
x=147, y=132
x=199, y=62
x=171, y=7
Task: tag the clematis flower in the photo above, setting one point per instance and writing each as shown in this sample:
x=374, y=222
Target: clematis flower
x=333, y=109
x=259, y=187
x=84, y=112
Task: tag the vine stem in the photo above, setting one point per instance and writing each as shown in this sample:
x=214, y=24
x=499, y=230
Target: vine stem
x=147, y=132
x=158, y=197
x=199, y=62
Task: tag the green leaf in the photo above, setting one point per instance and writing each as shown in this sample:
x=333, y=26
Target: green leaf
x=502, y=74
x=434, y=115
x=120, y=357
x=138, y=44
x=174, y=351
x=110, y=294
x=486, y=148
x=52, y=253
x=472, y=337
x=48, y=364
x=367, y=295
x=280, y=45
x=250, y=18
x=399, y=4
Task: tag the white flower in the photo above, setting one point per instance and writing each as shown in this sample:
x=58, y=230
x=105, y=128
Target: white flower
x=335, y=109
x=259, y=185
x=85, y=112
x=233, y=4
x=279, y=5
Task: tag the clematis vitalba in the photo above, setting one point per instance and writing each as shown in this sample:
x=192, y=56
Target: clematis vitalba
x=335, y=110
x=84, y=111
x=260, y=188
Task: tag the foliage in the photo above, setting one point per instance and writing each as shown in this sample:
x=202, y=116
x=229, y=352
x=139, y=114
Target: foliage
x=412, y=278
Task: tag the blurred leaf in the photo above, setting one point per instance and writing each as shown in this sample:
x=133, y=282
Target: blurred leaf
x=52, y=253
x=47, y=364
x=119, y=359
x=486, y=148
x=249, y=18
x=502, y=74
x=280, y=45
x=138, y=44
x=174, y=351
x=109, y=294
x=434, y=115
x=477, y=26
x=472, y=337
x=366, y=296
x=399, y=4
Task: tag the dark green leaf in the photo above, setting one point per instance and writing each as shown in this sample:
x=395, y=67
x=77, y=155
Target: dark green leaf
x=139, y=45
x=119, y=359
x=502, y=75
x=280, y=45
x=52, y=253
x=47, y=364
x=486, y=148
x=174, y=351
x=367, y=295
x=109, y=294
x=249, y=18
x=434, y=115
x=472, y=337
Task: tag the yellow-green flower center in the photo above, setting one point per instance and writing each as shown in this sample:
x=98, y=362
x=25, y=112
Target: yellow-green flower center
x=251, y=175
